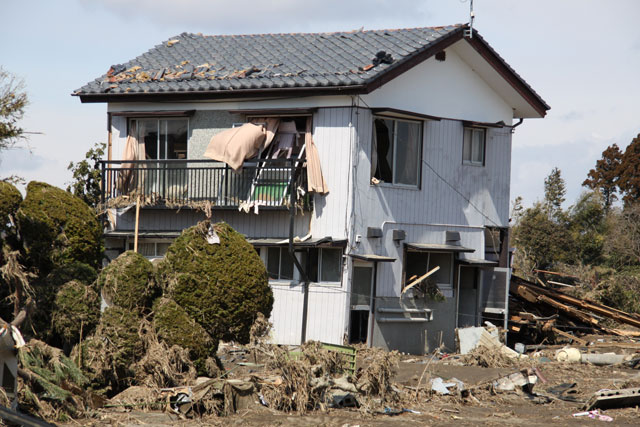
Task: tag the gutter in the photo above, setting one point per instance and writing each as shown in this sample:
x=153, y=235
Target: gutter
x=520, y=121
x=221, y=94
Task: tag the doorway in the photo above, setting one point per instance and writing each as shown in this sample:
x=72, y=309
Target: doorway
x=361, y=314
x=468, y=297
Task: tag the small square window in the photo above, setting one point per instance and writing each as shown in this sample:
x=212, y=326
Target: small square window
x=279, y=264
x=331, y=265
x=473, y=146
x=325, y=265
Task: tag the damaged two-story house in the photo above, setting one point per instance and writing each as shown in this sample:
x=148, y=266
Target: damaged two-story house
x=370, y=170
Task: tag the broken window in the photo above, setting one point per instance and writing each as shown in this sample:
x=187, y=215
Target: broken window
x=473, y=146
x=419, y=263
x=397, y=151
x=279, y=264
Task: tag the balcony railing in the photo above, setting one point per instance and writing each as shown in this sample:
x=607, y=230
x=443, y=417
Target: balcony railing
x=184, y=183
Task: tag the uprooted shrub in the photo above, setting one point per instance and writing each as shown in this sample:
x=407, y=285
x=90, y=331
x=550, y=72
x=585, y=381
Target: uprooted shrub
x=10, y=199
x=73, y=270
x=76, y=312
x=222, y=286
x=374, y=378
x=174, y=326
x=52, y=384
x=107, y=357
x=57, y=228
x=46, y=289
x=128, y=282
x=162, y=365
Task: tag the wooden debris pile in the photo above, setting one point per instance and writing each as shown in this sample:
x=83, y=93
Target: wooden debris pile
x=538, y=313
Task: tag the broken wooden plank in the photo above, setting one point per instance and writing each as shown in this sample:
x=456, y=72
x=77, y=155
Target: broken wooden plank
x=420, y=279
x=577, y=314
x=555, y=273
x=600, y=309
x=581, y=342
x=560, y=284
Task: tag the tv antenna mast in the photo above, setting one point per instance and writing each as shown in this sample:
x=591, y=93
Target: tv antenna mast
x=472, y=16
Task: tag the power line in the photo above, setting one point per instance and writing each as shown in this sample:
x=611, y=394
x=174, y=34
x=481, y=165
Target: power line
x=460, y=194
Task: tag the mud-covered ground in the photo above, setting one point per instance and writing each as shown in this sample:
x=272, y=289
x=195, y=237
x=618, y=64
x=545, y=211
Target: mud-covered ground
x=483, y=407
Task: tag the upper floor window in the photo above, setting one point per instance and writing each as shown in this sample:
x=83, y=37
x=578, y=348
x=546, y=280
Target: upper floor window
x=161, y=138
x=396, y=151
x=473, y=146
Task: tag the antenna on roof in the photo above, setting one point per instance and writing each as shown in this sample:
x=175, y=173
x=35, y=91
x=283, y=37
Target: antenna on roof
x=472, y=16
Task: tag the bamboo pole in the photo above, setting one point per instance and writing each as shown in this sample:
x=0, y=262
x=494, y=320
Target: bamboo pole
x=135, y=235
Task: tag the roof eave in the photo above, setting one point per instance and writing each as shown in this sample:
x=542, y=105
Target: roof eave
x=220, y=94
x=507, y=73
x=416, y=59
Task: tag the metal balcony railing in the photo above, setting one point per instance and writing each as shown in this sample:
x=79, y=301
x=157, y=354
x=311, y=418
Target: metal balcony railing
x=183, y=183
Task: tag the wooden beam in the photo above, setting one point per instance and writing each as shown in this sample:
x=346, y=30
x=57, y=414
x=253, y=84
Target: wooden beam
x=556, y=273
x=577, y=314
x=582, y=342
x=603, y=310
x=420, y=279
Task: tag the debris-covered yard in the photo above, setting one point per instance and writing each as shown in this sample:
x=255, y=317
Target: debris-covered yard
x=307, y=386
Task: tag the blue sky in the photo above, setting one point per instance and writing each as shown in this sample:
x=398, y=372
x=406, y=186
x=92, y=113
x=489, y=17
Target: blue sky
x=582, y=56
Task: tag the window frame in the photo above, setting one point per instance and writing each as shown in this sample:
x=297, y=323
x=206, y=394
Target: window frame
x=473, y=129
x=301, y=254
x=159, y=121
x=154, y=241
x=447, y=289
x=294, y=272
x=374, y=144
x=321, y=280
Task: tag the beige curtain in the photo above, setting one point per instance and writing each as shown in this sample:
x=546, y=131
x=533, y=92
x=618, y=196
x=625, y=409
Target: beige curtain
x=271, y=125
x=316, y=182
x=128, y=178
x=233, y=146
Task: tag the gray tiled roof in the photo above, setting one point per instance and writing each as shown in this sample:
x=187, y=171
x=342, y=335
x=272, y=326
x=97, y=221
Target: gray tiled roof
x=197, y=63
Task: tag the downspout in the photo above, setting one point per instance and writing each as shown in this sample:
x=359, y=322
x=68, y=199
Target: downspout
x=292, y=254
x=372, y=305
x=513, y=128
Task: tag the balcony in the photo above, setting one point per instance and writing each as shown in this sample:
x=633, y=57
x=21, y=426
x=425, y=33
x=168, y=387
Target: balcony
x=262, y=183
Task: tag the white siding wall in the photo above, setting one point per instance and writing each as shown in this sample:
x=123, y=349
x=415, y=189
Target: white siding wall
x=334, y=136
x=449, y=89
x=325, y=314
x=265, y=224
x=426, y=213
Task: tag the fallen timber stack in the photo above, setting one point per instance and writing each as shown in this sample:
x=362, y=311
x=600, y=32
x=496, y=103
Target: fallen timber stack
x=537, y=312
